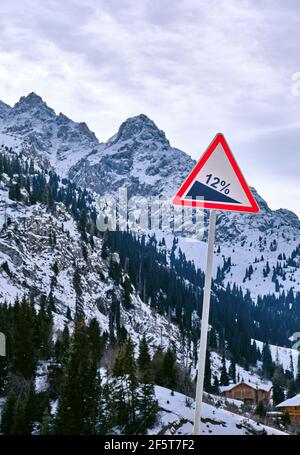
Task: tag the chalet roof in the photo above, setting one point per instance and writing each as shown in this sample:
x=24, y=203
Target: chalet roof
x=227, y=388
x=253, y=385
x=294, y=401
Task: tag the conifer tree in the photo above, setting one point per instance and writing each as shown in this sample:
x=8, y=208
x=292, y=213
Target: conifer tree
x=107, y=409
x=31, y=167
x=207, y=374
x=232, y=371
x=224, y=380
x=169, y=369
x=65, y=344
x=82, y=224
x=105, y=245
x=292, y=389
x=278, y=392
x=95, y=340
x=15, y=191
x=92, y=242
x=260, y=409
x=157, y=366
x=78, y=405
x=114, y=269
x=144, y=360
x=24, y=358
x=51, y=305
x=268, y=365
x=213, y=339
x=30, y=407
x=43, y=330
x=78, y=291
x=68, y=314
x=127, y=293
x=148, y=408
x=126, y=394
x=55, y=380
x=19, y=411
x=47, y=197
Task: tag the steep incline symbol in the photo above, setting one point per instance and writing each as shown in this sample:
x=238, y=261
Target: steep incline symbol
x=208, y=193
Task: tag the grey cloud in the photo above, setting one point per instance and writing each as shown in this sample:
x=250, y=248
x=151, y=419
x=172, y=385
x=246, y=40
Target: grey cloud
x=196, y=67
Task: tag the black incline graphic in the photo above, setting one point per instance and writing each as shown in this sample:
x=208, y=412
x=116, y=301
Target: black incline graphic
x=209, y=194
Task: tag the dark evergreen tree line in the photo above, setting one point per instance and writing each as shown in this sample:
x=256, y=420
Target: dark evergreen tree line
x=86, y=404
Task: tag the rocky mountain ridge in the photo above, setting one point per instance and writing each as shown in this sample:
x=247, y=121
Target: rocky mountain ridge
x=140, y=158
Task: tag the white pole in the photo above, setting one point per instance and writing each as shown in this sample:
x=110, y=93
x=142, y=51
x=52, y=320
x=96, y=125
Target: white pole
x=204, y=322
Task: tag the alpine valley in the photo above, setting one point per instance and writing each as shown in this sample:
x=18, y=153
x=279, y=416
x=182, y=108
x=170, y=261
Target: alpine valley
x=116, y=315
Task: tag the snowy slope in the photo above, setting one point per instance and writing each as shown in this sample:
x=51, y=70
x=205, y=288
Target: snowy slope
x=248, y=376
x=30, y=255
x=176, y=412
x=176, y=418
x=286, y=357
x=247, y=249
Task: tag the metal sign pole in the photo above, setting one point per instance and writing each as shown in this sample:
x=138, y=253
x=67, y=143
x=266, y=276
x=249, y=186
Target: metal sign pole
x=204, y=322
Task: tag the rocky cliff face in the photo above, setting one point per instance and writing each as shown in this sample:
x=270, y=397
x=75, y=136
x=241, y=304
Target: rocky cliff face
x=33, y=239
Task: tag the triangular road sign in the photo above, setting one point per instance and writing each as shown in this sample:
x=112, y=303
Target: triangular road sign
x=216, y=182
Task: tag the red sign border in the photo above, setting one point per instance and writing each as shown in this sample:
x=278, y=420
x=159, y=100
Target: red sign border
x=219, y=139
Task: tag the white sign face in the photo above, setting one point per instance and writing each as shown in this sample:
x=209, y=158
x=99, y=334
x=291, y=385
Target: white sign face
x=217, y=181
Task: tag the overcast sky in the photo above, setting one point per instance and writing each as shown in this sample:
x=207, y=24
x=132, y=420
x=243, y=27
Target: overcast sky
x=195, y=67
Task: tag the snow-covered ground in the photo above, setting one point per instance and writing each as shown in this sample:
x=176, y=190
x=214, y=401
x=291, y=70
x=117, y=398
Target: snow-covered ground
x=176, y=418
x=176, y=412
x=286, y=357
x=242, y=256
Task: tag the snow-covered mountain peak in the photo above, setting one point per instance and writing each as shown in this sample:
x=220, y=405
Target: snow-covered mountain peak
x=36, y=127
x=139, y=127
x=32, y=103
x=32, y=98
x=289, y=217
x=138, y=157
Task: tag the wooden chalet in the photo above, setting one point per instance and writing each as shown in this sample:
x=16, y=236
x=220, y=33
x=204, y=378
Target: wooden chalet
x=247, y=392
x=292, y=407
